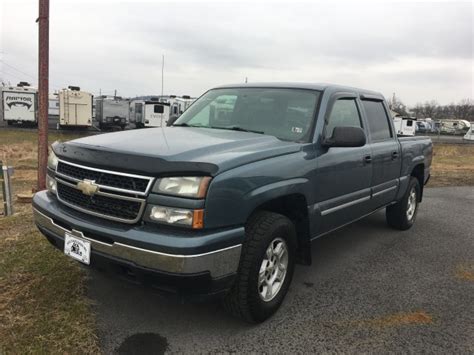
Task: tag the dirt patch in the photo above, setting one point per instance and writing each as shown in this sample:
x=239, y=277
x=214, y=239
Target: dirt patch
x=465, y=272
x=399, y=319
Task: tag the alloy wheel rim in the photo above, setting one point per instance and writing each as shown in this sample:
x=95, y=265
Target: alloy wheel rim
x=411, y=206
x=273, y=269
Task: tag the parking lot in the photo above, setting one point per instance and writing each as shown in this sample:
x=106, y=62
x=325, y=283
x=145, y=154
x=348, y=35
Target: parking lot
x=370, y=289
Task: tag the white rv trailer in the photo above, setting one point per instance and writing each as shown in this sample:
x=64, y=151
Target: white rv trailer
x=455, y=126
x=404, y=126
x=112, y=112
x=177, y=106
x=19, y=104
x=469, y=136
x=75, y=107
x=151, y=113
x=53, y=105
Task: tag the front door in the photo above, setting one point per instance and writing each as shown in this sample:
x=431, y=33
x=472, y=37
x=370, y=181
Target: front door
x=343, y=174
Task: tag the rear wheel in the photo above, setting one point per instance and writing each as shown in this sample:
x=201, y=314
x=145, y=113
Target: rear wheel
x=266, y=267
x=402, y=215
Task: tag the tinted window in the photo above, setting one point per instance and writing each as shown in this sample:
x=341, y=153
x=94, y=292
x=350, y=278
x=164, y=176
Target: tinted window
x=344, y=113
x=377, y=119
x=158, y=109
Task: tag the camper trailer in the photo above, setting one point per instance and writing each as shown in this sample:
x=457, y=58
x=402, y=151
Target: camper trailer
x=426, y=125
x=177, y=106
x=19, y=104
x=404, y=126
x=112, y=112
x=151, y=113
x=469, y=136
x=75, y=107
x=53, y=105
x=455, y=126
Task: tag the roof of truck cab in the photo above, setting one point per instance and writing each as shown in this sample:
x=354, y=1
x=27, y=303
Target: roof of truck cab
x=307, y=86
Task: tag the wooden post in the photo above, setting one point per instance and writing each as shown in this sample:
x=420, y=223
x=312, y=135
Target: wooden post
x=43, y=77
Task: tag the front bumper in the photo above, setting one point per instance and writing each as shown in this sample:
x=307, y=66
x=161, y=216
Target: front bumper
x=154, y=249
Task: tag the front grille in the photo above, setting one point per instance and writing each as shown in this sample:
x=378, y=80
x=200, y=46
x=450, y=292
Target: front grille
x=125, y=182
x=118, y=196
x=99, y=204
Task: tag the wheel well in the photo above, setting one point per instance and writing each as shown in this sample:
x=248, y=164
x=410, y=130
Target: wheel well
x=419, y=173
x=295, y=208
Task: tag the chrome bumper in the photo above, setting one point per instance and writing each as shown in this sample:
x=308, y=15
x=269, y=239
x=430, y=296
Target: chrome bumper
x=218, y=263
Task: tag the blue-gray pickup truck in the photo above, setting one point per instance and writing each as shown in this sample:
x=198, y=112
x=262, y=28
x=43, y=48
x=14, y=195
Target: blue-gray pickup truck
x=227, y=199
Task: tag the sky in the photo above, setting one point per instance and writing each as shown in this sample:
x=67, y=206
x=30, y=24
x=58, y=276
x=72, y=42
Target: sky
x=419, y=50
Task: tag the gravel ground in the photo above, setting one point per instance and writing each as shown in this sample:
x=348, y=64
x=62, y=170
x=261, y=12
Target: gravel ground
x=370, y=289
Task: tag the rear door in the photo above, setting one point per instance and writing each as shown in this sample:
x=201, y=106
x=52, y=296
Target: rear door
x=343, y=176
x=385, y=152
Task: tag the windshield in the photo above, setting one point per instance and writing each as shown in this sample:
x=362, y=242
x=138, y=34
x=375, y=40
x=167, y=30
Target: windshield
x=284, y=113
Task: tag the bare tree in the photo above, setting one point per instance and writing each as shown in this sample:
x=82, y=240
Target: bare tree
x=465, y=110
x=397, y=106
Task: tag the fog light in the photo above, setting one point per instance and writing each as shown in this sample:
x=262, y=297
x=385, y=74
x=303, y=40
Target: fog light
x=178, y=216
x=51, y=184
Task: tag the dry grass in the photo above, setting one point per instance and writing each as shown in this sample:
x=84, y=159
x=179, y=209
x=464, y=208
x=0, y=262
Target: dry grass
x=43, y=306
x=453, y=165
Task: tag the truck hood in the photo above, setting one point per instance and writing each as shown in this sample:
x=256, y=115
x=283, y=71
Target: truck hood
x=168, y=150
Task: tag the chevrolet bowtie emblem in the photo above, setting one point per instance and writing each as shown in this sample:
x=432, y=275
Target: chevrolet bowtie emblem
x=88, y=187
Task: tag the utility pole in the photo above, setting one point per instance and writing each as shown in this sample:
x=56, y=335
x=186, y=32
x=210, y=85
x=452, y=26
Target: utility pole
x=43, y=77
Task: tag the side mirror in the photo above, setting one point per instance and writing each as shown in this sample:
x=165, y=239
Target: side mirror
x=346, y=136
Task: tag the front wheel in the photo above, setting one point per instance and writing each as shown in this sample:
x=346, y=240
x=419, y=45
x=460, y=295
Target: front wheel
x=402, y=215
x=266, y=267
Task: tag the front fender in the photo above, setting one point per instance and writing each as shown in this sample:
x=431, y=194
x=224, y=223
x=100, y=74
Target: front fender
x=235, y=194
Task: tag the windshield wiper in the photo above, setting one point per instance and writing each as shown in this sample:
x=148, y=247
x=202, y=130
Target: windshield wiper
x=231, y=128
x=240, y=129
x=188, y=125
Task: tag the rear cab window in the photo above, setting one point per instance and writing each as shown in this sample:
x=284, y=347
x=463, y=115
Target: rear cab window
x=377, y=120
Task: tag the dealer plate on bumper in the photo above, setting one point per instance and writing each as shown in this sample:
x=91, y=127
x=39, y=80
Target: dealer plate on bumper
x=77, y=248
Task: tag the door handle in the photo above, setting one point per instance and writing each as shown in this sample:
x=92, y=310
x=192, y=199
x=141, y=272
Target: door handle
x=367, y=159
x=394, y=155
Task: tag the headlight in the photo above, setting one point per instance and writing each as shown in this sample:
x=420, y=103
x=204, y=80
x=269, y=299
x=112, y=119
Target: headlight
x=185, y=186
x=52, y=160
x=177, y=216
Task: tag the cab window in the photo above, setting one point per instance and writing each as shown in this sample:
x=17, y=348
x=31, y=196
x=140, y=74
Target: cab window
x=377, y=120
x=344, y=113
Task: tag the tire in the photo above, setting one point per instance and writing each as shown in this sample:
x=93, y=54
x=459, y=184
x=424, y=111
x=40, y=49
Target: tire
x=399, y=215
x=264, y=231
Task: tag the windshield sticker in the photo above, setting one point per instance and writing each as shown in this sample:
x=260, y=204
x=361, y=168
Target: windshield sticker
x=296, y=129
